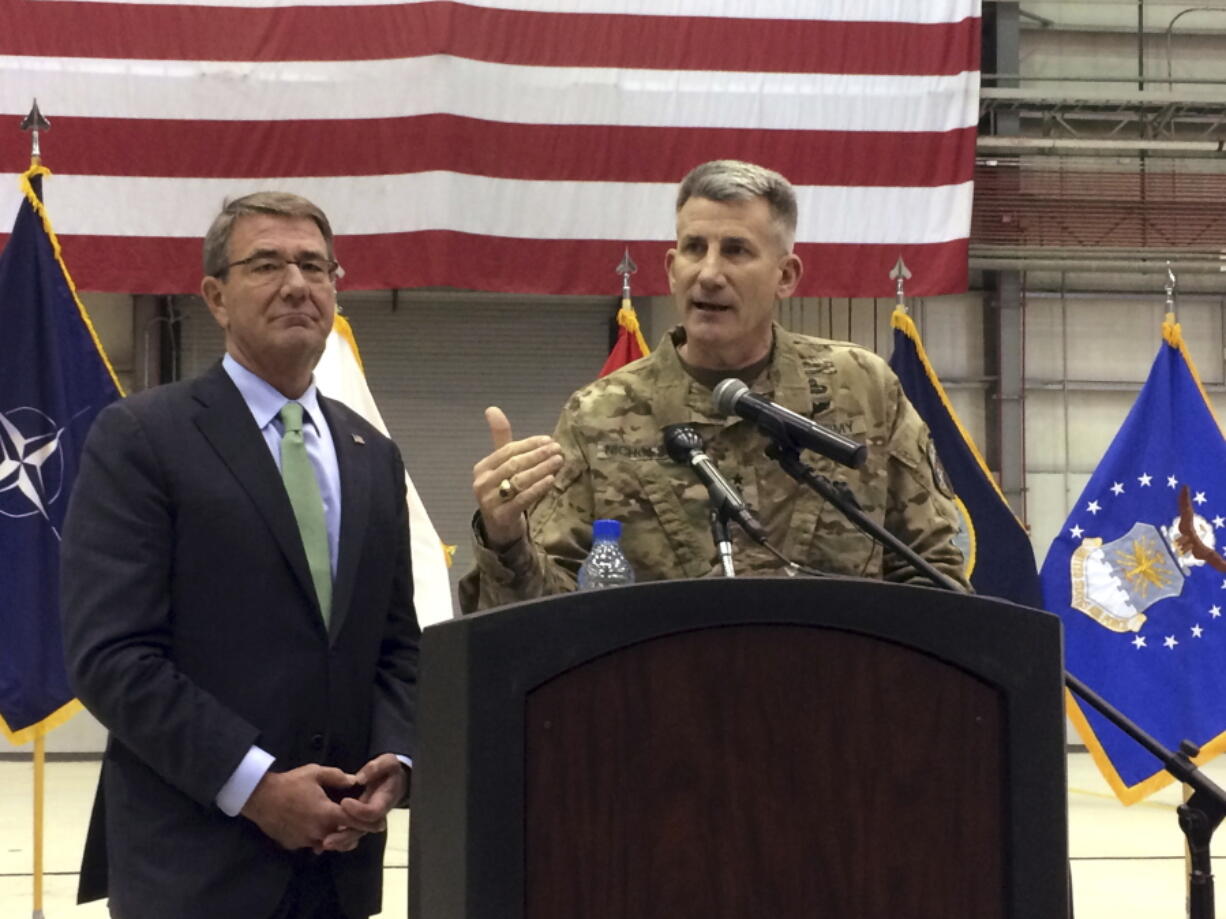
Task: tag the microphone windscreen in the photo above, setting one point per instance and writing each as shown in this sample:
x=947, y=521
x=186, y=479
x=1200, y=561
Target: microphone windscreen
x=726, y=394
x=680, y=442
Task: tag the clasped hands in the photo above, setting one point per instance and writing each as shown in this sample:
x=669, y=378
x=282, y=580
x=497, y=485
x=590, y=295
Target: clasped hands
x=296, y=809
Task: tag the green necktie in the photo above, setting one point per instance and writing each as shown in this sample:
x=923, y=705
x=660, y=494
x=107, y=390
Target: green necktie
x=303, y=490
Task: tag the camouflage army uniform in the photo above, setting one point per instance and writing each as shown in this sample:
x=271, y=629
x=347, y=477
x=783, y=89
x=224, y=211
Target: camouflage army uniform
x=615, y=466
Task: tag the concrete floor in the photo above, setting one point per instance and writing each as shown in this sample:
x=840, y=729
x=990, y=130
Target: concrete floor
x=1127, y=862
x=69, y=796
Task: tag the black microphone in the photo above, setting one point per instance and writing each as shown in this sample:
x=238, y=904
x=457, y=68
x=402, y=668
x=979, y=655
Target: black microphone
x=732, y=397
x=685, y=446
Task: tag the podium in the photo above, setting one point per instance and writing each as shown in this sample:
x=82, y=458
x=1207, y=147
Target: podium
x=750, y=748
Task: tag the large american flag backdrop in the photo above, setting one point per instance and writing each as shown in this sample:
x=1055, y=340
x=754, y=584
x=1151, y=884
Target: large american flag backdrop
x=504, y=145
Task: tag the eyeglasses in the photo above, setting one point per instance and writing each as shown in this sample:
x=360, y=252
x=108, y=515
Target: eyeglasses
x=266, y=267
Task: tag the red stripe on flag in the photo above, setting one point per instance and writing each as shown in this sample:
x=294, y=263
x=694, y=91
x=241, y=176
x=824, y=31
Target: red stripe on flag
x=392, y=146
x=442, y=258
x=309, y=33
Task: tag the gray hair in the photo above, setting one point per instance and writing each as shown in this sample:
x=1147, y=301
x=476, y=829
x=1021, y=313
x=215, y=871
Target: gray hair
x=276, y=203
x=733, y=180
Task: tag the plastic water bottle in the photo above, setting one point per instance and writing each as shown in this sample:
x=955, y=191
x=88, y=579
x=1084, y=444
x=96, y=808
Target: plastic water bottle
x=606, y=565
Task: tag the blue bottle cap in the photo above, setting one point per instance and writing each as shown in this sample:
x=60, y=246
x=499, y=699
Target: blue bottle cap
x=606, y=529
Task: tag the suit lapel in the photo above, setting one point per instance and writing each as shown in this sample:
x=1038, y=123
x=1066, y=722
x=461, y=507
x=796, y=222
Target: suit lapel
x=227, y=425
x=354, y=458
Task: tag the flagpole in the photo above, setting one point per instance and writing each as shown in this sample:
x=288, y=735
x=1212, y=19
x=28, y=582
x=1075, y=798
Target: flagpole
x=1172, y=284
x=1191, y=857
x=40, y=751
x=1189, y=862
x=35, y=122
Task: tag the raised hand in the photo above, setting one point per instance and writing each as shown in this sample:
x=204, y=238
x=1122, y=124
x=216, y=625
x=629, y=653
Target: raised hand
x=512, y=478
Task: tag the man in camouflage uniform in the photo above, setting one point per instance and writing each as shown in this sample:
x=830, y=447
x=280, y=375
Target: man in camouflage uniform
x=538, y=497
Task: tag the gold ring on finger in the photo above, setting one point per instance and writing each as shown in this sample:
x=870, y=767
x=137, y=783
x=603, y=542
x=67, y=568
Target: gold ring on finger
x=507, y=490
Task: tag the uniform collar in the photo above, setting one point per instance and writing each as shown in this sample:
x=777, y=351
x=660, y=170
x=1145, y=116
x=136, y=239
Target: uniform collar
x=678, y=398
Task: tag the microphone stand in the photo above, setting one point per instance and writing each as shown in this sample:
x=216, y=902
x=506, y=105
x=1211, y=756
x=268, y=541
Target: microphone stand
x=723, y=541
x=1199, y=816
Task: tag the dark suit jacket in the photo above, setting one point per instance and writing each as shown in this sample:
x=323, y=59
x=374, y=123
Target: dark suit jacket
x=192, y=632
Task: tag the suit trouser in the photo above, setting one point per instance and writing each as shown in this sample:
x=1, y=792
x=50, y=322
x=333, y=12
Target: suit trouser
x=311, y=893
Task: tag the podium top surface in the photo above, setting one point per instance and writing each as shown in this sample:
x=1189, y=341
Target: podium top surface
x=990, y=636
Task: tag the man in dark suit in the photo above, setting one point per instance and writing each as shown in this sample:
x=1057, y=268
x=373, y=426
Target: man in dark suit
x=237, y=602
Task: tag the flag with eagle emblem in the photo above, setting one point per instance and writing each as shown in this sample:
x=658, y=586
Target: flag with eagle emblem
x=1137, y=575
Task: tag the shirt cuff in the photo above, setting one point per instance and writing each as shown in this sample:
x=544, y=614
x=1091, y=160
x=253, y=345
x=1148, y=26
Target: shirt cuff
x=408, y=780
x=238, y=788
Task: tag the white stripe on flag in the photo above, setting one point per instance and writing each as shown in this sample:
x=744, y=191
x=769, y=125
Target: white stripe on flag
x=270, y=91
x=929, y=11
x=123, y=206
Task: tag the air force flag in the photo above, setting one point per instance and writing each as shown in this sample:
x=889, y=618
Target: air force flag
x=54, y=379
x=1138, y=576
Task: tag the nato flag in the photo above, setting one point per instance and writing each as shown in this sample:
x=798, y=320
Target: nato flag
x=53, y=381
x=999, y=557
x=1138, y=577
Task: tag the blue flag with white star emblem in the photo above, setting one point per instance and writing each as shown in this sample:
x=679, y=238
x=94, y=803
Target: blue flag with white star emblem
x=54, y=379
x=1139, y=578
x=999, y=557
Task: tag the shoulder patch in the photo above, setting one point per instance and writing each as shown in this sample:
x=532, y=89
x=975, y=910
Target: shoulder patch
x=939, y=476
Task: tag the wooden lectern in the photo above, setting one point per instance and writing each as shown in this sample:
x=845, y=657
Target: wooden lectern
x=750, y=748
